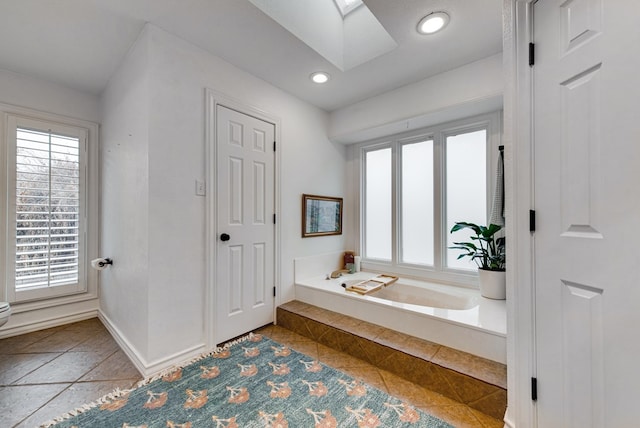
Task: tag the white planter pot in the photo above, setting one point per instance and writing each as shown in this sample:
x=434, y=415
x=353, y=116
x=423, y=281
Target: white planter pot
x=493, y=284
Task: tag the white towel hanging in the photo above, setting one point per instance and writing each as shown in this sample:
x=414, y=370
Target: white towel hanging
x=497, y=210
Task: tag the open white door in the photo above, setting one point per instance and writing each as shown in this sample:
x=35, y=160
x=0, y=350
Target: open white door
x=245, y=226
x=587, y=172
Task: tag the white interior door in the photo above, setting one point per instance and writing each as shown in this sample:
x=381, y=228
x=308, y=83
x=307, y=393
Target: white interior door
x=587, y=171
x=245, y=226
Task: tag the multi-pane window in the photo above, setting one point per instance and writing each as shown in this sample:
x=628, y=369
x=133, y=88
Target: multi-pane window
x=466, y=189
x=378, y=202
x=47, y=208
x=416, y=187
x=46, y=215
x=417, y=203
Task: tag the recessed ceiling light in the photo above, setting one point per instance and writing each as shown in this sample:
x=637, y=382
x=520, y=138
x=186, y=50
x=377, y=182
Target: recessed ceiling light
x=320, y=77
x=433, y=23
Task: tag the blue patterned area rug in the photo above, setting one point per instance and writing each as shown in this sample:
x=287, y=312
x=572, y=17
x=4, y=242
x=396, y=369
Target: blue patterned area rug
x=255, y=382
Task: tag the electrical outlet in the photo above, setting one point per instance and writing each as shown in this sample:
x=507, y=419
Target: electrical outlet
x=200, y=188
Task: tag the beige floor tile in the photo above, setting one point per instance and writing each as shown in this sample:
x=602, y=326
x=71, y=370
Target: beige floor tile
x=60, y=341
x=280, y=334
x=308, y=348
x=18, y=402
x=472, y=365
x=100, y=342
x=369, y=375
x=92, y=324
x=369, y=330
x=338, y=359
x=486, y=420
x=117, y=366
x=15, y=366
x=68, y=367
x=71, y=398
x=433, y=388
x=15, y=344
x=414, y=394
x=459, y=415
x=93, y=356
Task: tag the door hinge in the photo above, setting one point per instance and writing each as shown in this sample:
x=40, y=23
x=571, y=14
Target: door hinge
x=534, y=388
x=274, y=146
x=274, y=291
x=274, y=219
x=532, y=220
x=532, y=56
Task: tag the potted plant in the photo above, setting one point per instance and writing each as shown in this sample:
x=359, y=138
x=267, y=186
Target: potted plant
x=488, y=252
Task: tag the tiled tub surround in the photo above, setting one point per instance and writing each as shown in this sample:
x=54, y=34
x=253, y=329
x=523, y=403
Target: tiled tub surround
x=456, y=317
x=469, y=379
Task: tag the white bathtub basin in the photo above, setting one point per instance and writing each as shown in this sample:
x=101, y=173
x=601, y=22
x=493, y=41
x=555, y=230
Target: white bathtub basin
x=452, y=316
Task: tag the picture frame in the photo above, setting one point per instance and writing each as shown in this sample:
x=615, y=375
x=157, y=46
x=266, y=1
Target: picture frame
x=321, y=216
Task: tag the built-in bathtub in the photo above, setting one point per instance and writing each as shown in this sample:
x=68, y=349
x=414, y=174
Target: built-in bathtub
x=452, y=316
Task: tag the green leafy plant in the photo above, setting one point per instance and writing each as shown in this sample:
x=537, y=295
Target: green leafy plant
x=485, y=249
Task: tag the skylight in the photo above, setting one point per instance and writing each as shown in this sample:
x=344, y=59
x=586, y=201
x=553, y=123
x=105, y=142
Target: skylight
x=347, y=6
x=344, y=41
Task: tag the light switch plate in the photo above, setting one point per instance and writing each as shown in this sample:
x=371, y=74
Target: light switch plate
x=200, y=188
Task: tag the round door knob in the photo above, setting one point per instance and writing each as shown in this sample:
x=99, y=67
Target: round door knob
x=224, y=237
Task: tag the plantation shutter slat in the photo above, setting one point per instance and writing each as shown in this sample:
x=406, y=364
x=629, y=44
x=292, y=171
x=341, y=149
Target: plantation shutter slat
x=47, y=209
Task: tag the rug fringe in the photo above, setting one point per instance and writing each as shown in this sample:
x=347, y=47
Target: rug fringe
x=117, y=393
x=182, y=365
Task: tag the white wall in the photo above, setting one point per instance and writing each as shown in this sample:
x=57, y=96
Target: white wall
x=24, y=91
x=472, y=89
x=124, y=287
x=29, y=94
x=176, y=76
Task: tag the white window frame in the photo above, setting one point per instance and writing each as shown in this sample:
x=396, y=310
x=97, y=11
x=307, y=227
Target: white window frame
x=87, y=286
x=439, y=272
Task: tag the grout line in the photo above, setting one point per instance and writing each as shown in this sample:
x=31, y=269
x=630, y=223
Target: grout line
x=37, y=368
x=70, y=384
x=45, y=404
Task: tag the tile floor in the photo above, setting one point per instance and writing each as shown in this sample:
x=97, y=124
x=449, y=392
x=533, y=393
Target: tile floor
x=50, y=372
x=453, y=412
x=468, y=379
x=47, y=373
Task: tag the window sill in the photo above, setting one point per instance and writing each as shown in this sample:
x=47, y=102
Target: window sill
x=456, y=278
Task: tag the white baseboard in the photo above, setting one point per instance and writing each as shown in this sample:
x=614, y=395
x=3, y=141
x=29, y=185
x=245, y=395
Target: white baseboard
x=124, y=344
x=148, y=369
x=508, y=423
x=30, y=326
x=159, y=365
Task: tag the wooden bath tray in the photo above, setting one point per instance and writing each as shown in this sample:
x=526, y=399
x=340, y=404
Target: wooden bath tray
x=371, y=285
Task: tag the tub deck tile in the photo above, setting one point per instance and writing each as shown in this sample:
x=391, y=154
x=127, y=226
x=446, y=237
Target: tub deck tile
x=468, y=379
x=469, y=389
x=421, y=348
x=478, y=367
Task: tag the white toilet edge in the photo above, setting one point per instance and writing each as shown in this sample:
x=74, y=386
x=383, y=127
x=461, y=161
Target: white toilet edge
x=4, y=307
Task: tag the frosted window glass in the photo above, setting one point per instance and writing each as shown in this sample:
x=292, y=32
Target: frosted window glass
x=466, y=189
x=417, y=203
x=378, y=204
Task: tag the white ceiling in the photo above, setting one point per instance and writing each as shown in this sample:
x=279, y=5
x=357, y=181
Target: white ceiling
x=80, y=43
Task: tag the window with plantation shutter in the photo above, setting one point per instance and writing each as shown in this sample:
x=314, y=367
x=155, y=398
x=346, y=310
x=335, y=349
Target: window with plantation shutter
x=47, y=182
x=47, y=208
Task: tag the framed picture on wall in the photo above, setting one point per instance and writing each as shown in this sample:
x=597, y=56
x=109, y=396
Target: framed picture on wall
x=321, y=216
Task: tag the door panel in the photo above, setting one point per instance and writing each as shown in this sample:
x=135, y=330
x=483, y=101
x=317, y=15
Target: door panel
x=587, y=166
x=245, y=200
